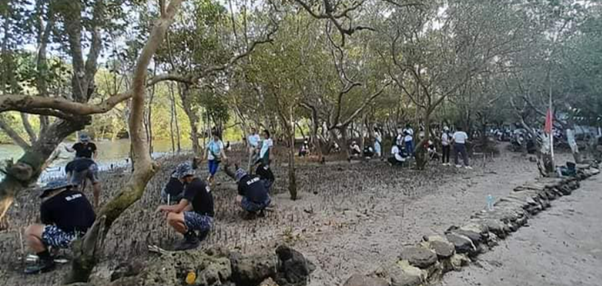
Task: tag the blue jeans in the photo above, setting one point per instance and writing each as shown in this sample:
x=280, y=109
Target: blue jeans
x=252, y=207
x=213, y=167
x=410, y=148
x=460, y=149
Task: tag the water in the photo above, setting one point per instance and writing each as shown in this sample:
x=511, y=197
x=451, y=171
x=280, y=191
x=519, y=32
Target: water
x=110, y=154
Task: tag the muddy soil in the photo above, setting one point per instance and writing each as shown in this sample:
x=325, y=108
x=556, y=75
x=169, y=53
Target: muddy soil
x=350, y=218
x=561, y=247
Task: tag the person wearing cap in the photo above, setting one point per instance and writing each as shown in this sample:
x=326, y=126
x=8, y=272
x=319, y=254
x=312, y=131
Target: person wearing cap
x=84, y=148
x=194, y=212
x=214, y=153
x=66, y=214
x=174, y=189
x=252, y=195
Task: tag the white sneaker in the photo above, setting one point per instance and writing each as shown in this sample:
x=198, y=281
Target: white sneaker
x=468, y=167
x=458, y=166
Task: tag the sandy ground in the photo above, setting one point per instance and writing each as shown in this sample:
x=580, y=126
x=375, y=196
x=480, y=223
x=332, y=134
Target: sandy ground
x=350, y=218
x=561, y=246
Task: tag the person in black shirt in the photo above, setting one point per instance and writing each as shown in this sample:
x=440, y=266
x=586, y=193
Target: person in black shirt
x=193, y=213
x=252, y=194
x=84, y=148
x=81, y=170
x=174, y=189
x=265, y=174
x=65, y=214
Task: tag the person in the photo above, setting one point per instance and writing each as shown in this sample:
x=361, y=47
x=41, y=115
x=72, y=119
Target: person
x=193, y=213
x=266, y=149
x=81, y=170
x=409, y=139
x=397, y=158
x=445, y=146
x=228, y=147
x=368, y=152
x=214, y=153
x=304, y=150
x=84, y=148
x=459, y=139
x=173, y=191
x=400, y=139
x=253, y=143
x=355, y=149
x=66, y=214
x=252, y=194
x=378, y=139
x=265, y=174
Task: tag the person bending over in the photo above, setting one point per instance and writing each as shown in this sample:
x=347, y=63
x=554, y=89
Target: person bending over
x=173, y=191
x=66, y=215
x=265, y=174
x=398, y=157
x=82, y=170
x=193, y=213
x=252, y=194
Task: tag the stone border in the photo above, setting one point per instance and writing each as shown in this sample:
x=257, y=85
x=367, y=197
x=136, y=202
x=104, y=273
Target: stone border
x=427, y=261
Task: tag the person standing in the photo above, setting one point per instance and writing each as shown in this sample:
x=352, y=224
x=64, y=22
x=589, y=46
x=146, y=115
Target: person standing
x=409, y=139
x=84, y=166
x=65, y=214
x=253, y=145
x=460, y=138
x=445, y=146
x=194, y=212
x=378, y=139
x=266, y=149
x=215, y=154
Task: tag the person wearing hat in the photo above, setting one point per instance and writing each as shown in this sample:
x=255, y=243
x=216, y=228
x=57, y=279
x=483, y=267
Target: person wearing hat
x=84, y=148
x=252, y=195
x=174, y=189
x=194, y=212
x=66, y=214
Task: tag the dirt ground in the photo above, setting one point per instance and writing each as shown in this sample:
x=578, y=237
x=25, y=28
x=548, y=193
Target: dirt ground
x=350, y=218
x=561, y=247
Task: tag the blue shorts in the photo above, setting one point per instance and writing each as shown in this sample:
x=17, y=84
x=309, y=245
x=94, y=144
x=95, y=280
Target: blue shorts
x=56, y=237
x=250, y=206
x=213, y=167
x=196, y=221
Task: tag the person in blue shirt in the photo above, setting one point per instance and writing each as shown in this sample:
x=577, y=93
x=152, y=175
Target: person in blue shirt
x=215, y=154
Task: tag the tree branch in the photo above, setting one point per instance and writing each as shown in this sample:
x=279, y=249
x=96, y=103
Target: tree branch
x=13, y=135
x=28, y=128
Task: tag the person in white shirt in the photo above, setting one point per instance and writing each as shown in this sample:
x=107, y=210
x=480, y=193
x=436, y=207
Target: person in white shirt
x=445, y=145
x=409, y=139
x=253, y=142
x=378, y=139
x=460, y=138
x=397, y=158
x=266, y=149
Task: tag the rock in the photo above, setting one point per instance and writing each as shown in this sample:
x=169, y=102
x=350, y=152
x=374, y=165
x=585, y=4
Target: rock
x=461, y=243
x=496, y=227
x=361, y=280
x=404, y=274
x=127, y=270
x=293, y=268
x=475, y=237
x=216, y=272
x=459, y=260
x=419, y=256
x=253, y=269
x=443, y=249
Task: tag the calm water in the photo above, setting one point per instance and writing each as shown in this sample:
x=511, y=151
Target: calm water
x=110, y=153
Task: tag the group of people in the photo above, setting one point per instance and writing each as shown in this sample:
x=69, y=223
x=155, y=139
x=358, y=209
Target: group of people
x=67, y=214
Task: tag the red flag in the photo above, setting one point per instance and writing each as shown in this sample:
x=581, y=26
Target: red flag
x=548, y=127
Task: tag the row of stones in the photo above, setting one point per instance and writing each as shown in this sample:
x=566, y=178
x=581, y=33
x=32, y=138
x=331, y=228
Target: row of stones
x=427, y=261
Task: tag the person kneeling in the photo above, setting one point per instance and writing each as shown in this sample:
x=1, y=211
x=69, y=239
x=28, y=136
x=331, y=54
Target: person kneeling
x=193, y=213
x=252, y=194
x=397, y=158
x=66, y=215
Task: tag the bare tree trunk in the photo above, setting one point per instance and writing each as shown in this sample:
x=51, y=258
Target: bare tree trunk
x=292, y=178
x=172, y=117
x=87, y=248
x=419, y=149
x=150, y=119
x=192, y=118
